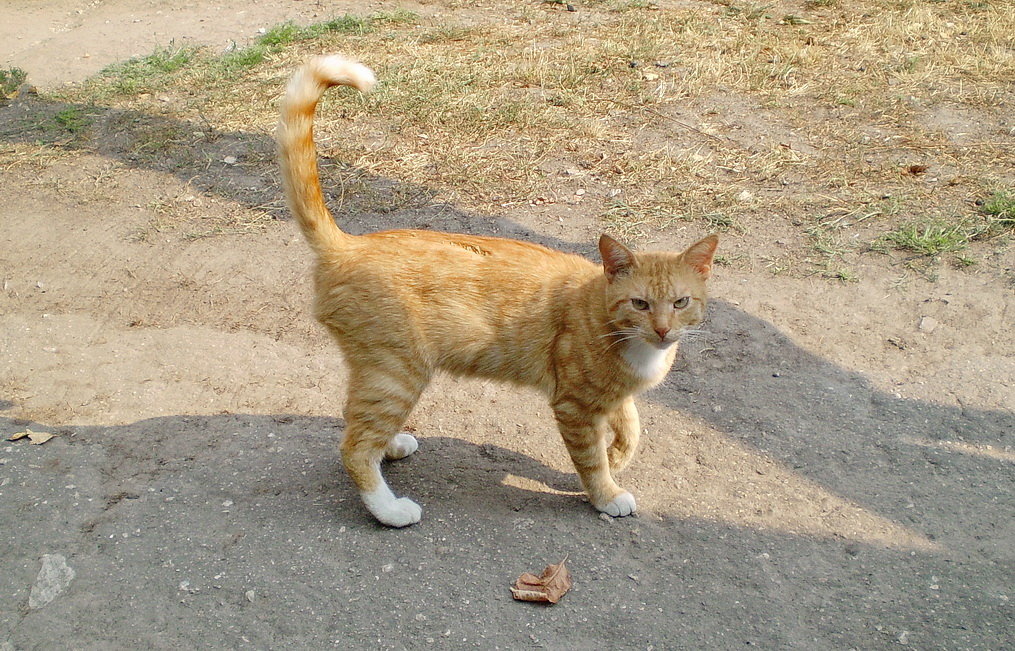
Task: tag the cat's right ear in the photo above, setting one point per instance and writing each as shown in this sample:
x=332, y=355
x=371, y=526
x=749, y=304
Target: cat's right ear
x=618, y=260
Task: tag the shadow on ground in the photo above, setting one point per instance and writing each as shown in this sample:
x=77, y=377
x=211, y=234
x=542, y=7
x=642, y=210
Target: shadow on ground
x=196, y=154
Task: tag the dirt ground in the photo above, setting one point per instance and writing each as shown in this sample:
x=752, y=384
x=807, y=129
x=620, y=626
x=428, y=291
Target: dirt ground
x=830, y=466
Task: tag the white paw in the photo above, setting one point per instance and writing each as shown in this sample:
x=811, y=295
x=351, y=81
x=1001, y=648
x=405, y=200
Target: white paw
x=390, y=510
x=621, y=505
x=400, y=513
x=401, y=446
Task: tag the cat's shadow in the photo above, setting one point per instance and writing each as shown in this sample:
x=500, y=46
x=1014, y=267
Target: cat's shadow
x=287, y=464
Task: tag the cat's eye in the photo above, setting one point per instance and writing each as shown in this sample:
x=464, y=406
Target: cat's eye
x=681, y=302
x=639, y=304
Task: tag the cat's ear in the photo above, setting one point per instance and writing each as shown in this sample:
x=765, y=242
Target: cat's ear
x=699, y=255
x=618, y=260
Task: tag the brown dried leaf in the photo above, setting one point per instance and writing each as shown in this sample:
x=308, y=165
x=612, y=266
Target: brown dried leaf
x=35, y=438
x=548, y=587
x=916, y=170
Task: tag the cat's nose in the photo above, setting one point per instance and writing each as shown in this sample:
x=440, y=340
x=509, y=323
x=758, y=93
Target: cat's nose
x=662, y=333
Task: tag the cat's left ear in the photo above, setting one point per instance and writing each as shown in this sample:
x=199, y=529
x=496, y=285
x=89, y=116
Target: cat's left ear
x=699, y=255
x=617, y=258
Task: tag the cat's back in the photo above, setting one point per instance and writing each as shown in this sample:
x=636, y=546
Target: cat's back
x=495, y=249
x=436, y=260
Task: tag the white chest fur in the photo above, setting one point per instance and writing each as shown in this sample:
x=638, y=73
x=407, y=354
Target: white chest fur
x=647, y=361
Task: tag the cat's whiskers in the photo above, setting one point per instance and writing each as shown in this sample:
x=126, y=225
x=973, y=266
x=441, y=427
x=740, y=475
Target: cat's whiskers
x=622, y=335
x=693, y=333
x=629, y=337
x=622, y=331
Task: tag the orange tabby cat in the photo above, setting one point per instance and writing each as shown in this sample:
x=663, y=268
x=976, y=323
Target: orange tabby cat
x=405, y=304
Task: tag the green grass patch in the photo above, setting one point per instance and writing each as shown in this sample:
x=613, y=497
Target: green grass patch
x=288, y=33
x=145, y=74
x=929, y=238
x=247, y=57
x=10, y=80
x=73, y=120
x=1000, y=208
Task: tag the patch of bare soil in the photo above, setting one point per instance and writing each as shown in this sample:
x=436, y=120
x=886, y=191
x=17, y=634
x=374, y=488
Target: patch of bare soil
x=831, y=465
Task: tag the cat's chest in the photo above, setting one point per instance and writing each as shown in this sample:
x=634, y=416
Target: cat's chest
x=647, y=362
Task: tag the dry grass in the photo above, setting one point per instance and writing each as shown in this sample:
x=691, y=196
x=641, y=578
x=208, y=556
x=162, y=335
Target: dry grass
x=35, y=156
x=867, y=114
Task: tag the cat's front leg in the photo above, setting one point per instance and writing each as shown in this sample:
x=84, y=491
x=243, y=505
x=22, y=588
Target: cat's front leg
x=583, y=433
x=626, y=431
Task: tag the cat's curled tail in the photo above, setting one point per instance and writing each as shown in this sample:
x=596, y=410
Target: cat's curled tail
x=297, y=153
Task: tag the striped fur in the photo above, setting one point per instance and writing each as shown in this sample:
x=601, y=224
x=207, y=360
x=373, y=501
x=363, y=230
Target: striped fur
x=405, y=304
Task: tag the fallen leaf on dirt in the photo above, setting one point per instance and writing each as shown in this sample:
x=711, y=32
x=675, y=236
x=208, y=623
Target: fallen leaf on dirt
x=548, y=587
x=917, y=169
x=36, y=438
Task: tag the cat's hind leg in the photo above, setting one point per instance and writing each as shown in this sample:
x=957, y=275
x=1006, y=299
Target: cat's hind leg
x=626, y=431
x=380, y=399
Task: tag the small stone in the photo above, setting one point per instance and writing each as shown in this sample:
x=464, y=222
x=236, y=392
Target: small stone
x=745, y=196
x=579, y=192
x=249, y=594
x=928, y=324
x=54, y=577
x=229, y=160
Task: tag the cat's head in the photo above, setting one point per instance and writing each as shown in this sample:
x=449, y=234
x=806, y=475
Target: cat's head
x=655, y=296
